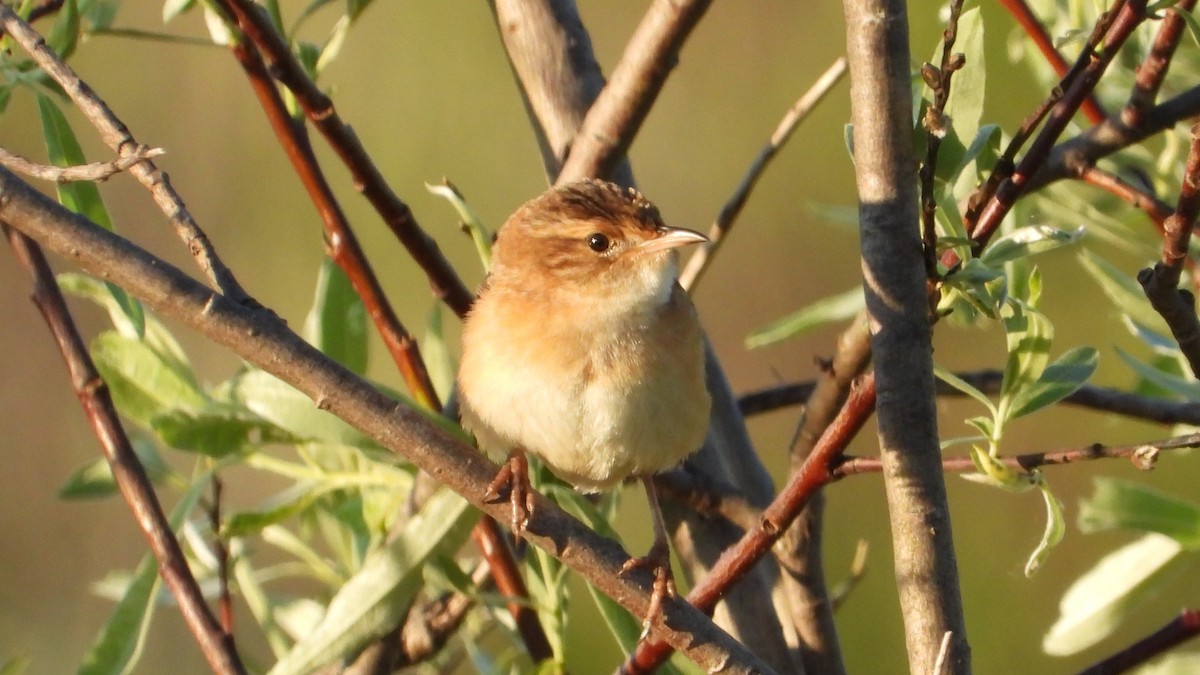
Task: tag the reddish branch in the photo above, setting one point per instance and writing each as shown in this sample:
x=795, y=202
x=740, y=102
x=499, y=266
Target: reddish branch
x=1037, y=33
x=938, y=80
x=367, y=178
x=739, y=559
x=1161, y=284
x=347, y=253
x=127, y=470
x=1125, y=18
x=1183, y=628
x=1153, y=70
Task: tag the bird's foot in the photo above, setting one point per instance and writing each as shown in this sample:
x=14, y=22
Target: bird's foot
x=658, y=560
x=513, y=481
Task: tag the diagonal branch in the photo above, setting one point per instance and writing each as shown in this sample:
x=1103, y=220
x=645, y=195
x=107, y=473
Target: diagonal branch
x=615, y=117
x=264, y=340
x=126, y=468
x=118, y=137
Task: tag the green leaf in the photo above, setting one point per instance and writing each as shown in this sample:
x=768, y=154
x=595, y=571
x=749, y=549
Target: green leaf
x=287, y=408
x=64, y=37
x=1193, y=25
x=291, y=502
x=215, y=430
x=377, y=597
x=1027, y=241
x=1056, y=527
x=470, y=219
x=1095, y=604
x=337, y=322
x=119, y=644
x=964, y=387
x=965, y=106
x=94, y=480
x=990, y=470
x=151, y=331
x=174, y=8
x=438, y=358
x=1029, y=334
x=1123, y=290
x=1118, y=504
x=834, y=308
x=142, y=384
x=1177, y=384
x=1060, y=379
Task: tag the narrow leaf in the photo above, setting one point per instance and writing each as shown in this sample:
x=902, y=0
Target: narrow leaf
x=1060, y=379
x=1176, y=384
x=1125, y=505
x=834, y=308
x=337, y=322
x=142, y=384
x=289, y=409
x=479, y=233
x=1056, y=527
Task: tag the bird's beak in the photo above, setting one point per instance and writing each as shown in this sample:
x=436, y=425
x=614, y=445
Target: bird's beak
x=671, y=237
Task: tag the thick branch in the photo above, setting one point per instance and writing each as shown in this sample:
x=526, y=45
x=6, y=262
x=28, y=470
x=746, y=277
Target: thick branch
x=261, y=338
x=881, y=104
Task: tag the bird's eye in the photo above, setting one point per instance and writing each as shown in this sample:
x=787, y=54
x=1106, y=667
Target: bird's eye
x=598, y=242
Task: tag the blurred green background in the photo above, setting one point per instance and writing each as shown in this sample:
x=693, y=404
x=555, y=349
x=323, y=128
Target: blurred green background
x=429, y=91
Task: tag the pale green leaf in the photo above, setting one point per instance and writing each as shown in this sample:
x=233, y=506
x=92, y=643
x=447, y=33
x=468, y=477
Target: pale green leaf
x=142, y=384
x=1027, y=241
x=1097, y=602
x=990, y=470
x=173, y=8
x=964, y=387
x=337, y=322
x=151, y=331
x=1029, y=335
x=215, y=430
x=1060, y=379
x=438, y=358
x=1123, y=290
x=834, y=308
x=94, y=480
x=289, y=409
x=1118, y=504
x=1176, y=384
x=1056, y=527
x=377, y=597
x=119, y=644
x=965, y=106
x=470, y=219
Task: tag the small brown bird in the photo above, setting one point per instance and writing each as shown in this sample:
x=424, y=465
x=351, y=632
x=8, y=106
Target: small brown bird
x=583, y=349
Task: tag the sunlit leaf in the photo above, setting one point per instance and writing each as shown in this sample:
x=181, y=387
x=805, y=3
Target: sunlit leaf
x=992, y=471
x=377, y=597
x=142, y=384
x=289, y=409
x=215, y=429
x=156, y=335
x=470, y=219
x=1060, y=379
x=1027, y=241
x=1097, y=602
x=963, y=386
x=1029, y=335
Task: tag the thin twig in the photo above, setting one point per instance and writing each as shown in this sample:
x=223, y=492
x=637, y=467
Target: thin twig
x=261, y=338
x=367, y=178
x=1135, y=196
x=1104, y=399
x=94, y=171
x=127, y=469
x=1181, y=629
x=221, y=551
x=618, y=112
x=118, y=137
x=1143, y=456
x=733, y=206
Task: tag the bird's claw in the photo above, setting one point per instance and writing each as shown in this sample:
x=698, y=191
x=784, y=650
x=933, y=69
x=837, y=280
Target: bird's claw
x=513, y=481
x=658, y=560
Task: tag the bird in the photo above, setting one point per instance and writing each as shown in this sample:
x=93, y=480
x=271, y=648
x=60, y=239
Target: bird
x=583, y=349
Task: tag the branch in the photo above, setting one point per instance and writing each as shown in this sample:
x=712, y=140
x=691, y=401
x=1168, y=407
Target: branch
x=901, y=331
x=1183, y=628
x=1143, y=456
x=94, y=171
x=1104, y=399
x=261, y=338
x=126, y=468
x=1161, y=284
x=1152, y=72
x=733, y=206
x=741, y=558
x=118, y=137
x=618, y=112
x=367, y=178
